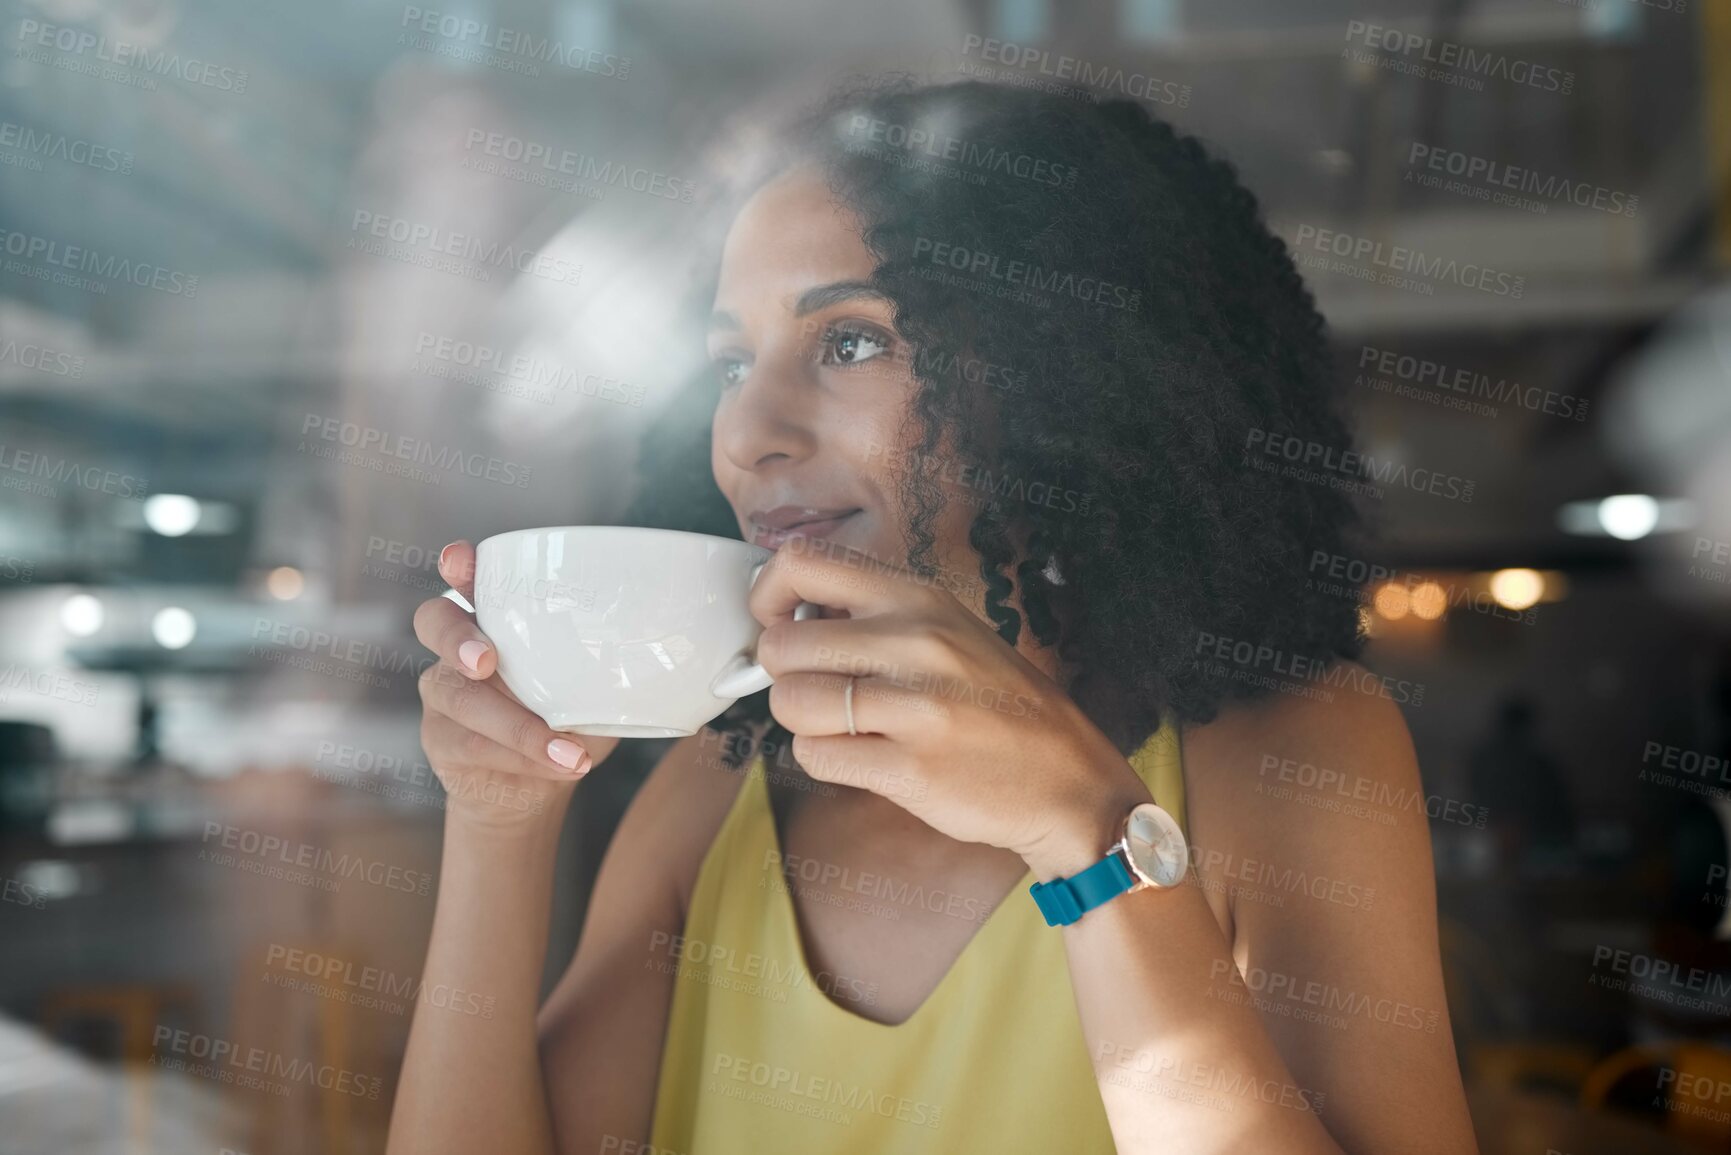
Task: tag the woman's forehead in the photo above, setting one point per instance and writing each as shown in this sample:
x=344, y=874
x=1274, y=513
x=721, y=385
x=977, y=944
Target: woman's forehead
x=790, y=236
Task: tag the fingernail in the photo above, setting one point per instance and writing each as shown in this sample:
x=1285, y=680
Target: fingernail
x=567, y=754
x=471, y=652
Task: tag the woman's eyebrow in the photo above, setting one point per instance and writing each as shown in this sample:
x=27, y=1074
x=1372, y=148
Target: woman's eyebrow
x=823, y=296
x=815, y=298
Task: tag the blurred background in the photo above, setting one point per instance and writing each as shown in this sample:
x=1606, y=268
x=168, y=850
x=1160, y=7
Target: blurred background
x=291, y=295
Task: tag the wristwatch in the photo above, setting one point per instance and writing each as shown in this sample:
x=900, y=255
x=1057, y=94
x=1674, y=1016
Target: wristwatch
x=1150, y=853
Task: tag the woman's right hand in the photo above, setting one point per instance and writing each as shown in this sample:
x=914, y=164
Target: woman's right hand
x=499, y=762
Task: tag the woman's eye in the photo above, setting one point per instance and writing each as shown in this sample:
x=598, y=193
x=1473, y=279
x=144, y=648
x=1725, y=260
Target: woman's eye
x=729, y=371
x=846, y=346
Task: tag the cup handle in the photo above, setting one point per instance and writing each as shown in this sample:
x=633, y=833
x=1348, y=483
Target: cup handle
x=743, y=675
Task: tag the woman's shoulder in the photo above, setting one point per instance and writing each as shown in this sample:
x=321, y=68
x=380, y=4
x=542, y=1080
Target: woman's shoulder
x=1318, y=774
x=1346, y=713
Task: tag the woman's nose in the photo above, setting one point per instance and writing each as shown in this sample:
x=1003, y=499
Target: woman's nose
x=770, y=417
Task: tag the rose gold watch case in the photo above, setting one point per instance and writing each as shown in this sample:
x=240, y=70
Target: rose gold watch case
x=1154, y=848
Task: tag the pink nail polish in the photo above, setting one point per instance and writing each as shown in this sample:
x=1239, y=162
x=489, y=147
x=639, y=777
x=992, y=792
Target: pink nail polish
x=569, y=755
x=471, y=652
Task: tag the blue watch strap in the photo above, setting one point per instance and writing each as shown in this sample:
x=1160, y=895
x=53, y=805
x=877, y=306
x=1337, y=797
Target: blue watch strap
x=1064, y=900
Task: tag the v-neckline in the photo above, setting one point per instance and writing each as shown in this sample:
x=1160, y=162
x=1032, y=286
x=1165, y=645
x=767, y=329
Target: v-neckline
x=791, y=912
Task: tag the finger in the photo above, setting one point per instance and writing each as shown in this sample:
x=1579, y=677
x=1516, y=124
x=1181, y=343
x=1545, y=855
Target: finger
x=445, y=628
x=816, y=705
x=457, y=567
x=862, y=585
x=463, y=750
x=881, y=646
x=479, y=706
x=868, y=762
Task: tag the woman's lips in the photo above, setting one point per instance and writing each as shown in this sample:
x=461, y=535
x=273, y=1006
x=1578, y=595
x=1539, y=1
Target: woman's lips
x=772, y=538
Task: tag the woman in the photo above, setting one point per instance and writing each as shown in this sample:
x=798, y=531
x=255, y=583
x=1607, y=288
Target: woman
x=993, y=374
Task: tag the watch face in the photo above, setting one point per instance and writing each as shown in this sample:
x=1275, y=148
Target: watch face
x=1157, y=849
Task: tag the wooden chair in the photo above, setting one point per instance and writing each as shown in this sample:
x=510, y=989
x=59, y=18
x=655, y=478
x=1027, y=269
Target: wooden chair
x=134, y=1012
x=1696, y=1099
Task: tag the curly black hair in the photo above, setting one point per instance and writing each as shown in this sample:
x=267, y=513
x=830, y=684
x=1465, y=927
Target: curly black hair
x=1146, y=323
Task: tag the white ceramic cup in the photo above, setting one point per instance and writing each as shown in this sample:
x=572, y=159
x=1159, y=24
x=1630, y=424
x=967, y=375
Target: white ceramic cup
x=622, y=631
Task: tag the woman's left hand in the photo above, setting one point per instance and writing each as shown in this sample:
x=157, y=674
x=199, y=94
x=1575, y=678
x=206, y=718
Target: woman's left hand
x=953, y=724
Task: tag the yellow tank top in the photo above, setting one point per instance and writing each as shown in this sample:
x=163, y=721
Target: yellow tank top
x=759, y=1060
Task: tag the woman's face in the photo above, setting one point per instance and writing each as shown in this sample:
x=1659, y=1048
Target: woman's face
x=813, y=385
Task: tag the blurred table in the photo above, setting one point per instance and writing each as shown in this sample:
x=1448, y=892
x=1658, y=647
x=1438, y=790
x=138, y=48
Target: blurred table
x=56, y=1102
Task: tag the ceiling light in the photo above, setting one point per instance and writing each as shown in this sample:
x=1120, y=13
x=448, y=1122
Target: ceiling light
x=171, y=514
x=1517, y=589
x=81, y=615
x=173, y=628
